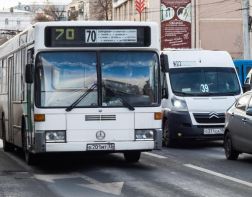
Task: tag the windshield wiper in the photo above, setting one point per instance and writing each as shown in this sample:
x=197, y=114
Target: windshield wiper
x=81, y=97
x=124, y=102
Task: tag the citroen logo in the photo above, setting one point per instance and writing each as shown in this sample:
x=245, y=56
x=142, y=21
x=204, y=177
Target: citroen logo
x=213, y=115
x=100, y=135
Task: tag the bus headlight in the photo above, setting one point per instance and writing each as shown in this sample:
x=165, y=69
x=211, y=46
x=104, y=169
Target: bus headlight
x=55, y=136
x=144, y=134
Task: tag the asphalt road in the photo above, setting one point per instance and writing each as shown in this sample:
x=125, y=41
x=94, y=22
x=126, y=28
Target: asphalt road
x=198, y=169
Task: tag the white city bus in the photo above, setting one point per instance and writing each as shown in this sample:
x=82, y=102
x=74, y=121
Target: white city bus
x=81, y=86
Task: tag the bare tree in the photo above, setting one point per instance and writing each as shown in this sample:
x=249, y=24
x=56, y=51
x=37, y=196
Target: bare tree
x=55, y=12
x=104, y=9
x=49, y=13
x=42, y=17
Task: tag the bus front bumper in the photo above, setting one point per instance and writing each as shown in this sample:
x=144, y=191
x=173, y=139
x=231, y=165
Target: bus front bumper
x=111, y=146
x=82, y=146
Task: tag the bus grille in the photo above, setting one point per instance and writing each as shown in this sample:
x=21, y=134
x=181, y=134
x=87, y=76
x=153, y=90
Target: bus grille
x=206, y=118
x=100, y=117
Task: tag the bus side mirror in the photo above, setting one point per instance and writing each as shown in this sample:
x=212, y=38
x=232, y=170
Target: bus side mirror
x=164, y=63
x=164, y=93
x=29, y=73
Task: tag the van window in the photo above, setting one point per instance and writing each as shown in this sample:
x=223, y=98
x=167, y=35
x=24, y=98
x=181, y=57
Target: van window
x=204, y=81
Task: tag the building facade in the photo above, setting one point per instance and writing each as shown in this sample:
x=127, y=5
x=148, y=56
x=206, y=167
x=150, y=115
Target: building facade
x=207, y=24
x=15, y=20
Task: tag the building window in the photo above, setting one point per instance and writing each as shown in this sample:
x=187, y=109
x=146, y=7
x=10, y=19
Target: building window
x=6, y=21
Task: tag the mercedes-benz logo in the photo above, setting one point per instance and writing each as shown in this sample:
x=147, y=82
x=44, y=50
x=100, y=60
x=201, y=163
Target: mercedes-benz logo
x=213, y=115
x=100, y=135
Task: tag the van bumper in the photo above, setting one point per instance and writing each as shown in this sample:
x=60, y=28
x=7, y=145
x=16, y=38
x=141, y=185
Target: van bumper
x=181, y=127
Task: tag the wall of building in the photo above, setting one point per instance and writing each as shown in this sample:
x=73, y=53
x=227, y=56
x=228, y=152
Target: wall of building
x=17, y=20
x=125, y=10
x=219, y=26
x=216, y=25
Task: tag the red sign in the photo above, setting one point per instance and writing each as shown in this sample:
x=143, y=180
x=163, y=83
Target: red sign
x=176, y=23
x=140, y=5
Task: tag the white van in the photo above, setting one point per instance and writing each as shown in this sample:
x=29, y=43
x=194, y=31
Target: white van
x=198, y=87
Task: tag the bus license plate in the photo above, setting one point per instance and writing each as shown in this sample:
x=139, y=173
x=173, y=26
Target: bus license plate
x=213, y=131
x=107, y=146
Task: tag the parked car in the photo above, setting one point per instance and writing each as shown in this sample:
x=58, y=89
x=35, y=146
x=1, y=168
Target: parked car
x=238, y=127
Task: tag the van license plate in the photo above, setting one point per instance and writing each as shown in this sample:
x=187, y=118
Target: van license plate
x=103, y=146
x=213, y=131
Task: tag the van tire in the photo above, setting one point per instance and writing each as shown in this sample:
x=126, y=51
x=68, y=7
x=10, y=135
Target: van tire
x=230, y=152
x=167, y=140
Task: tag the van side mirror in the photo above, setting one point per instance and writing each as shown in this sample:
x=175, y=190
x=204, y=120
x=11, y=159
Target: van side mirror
x=164, y=93
x=164, y=63
x=249, y=112
x=29, y=73
x=246, y=87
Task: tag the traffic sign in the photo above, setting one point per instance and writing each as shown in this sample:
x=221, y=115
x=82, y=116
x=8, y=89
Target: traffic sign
x=140, y=5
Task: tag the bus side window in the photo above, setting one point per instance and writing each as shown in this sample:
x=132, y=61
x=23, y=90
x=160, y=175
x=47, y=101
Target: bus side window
x=5, y=77
x=1, y=75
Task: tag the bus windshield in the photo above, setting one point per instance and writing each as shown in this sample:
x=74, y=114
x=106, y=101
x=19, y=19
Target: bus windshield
x=214, y=81
x=62, y=77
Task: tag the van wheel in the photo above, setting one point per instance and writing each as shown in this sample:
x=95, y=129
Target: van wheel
x=132, y=157
x=7, y=147
x=230, y=152
x=167, y=140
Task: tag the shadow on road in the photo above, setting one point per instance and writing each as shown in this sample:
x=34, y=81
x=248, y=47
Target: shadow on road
x=72, y=162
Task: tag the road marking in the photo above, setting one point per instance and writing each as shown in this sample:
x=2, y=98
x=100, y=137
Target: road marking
x=219, y=175
x=114, y=188
x=155, y=155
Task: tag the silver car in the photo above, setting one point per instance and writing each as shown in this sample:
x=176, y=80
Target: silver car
x=238, y=128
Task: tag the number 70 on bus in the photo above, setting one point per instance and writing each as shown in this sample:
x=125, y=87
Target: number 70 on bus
x=69, y=34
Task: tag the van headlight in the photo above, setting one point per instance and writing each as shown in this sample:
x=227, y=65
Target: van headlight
x=144, y=134
x=178, y=104
x=55, y=136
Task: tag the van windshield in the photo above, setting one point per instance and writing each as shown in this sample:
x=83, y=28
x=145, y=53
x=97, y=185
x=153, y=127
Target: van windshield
x=214, y=81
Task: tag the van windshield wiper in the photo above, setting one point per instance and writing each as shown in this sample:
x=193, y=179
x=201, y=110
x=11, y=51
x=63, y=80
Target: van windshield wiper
x=124, y=102
x=81, y=97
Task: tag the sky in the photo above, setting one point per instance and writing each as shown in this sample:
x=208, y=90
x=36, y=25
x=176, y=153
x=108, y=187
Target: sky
x=10, y=3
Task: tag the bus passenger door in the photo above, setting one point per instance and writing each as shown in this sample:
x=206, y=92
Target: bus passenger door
x=9, y=132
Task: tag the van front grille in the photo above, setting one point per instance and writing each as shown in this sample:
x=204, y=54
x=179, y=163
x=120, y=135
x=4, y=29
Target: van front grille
x=209, y=118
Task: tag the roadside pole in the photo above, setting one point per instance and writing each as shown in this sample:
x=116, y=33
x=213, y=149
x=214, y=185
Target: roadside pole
x=246, y=36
